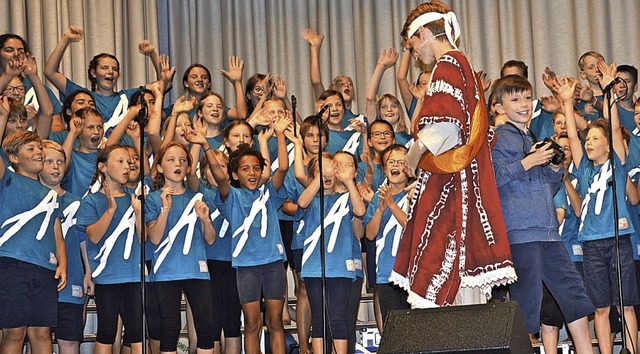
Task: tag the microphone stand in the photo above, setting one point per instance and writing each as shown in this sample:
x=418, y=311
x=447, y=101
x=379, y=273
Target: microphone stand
x=294, y=105
x=616, y=227
x=320, y=123
x=142, y=119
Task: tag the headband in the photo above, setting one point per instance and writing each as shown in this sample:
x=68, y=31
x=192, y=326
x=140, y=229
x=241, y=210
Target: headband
x=451, y=24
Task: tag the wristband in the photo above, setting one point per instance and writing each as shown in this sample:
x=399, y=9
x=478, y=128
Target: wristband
x=207, y=149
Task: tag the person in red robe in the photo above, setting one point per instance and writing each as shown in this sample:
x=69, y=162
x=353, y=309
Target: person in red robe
x=455, y=236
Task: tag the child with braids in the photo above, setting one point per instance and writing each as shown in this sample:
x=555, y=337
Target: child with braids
x=111, y=220
x=103, y=72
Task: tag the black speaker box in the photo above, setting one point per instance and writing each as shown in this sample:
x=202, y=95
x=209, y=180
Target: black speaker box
x=490, y=328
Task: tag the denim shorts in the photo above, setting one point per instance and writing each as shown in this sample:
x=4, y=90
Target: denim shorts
x=270, y=280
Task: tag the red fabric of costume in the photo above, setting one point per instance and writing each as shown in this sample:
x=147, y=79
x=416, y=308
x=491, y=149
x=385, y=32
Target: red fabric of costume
x=455, y=236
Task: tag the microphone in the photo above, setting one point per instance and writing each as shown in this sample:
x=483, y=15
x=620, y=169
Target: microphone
x=294, y=101
x=609, y=87
x=141, y=118
x=321, y=112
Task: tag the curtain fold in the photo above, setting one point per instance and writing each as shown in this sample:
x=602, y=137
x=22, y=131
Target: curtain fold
x=266, y=34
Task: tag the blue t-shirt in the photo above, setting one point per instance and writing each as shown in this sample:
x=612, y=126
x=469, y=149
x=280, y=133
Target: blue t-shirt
x=74, y=291
x=221, y=249
x=346, y=140
x=597, y=200
x=115, y=259
x=569, y=226
x=388, y=237
x=31, y=99
x=589, y=117
x=80, y=172
x=253, y=217
x=180, y=253
x=27, y=219
x=626, y=118
x=338, y=238
x=541, y=124
x=379, y=177
x=112, y=108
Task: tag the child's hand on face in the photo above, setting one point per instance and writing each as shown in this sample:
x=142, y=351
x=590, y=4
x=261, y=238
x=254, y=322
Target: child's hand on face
x=199, y=125
x=236, y=65
x=202, y=210
x=608, y=72
x=14, y=67
x=74, y=33
x=281, y=124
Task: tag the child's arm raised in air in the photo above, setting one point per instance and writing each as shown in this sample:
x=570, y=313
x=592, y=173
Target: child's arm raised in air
x=608, y=74
x=401, y=78
x=52, y=66
x=315, y=43
x=280, y=126
x=45, y=113
x=234, y=75
x=387, y=59
x=565, y=94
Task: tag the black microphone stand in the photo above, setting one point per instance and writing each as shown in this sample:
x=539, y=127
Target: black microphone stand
x=294, y=105
x=142, y=119
x=321, y=123
x=616, y=227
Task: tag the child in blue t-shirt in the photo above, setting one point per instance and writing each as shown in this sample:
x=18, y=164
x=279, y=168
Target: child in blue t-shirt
x=87, y=127
x=111, y=221
x=596, y=221
x=384, y=221
x=72, y=299
x=257, y=248
x=33, y=263
x=178, y=220
x=339, y=209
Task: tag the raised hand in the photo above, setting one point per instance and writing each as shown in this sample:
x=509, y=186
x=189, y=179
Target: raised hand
x=195, y=137
x=280, y=88
x=550, y=103
x=236, y=66
x=166, y=199
x=75, y=125
x=183, y=105
x=73, y=34
x=417, y=91
x=608, y=72
x=586, y=93
x=548, y=77
x=281, y=124
x=486, y=83
x=15, y=67
x=30, y=65
x=145, y=47
x=312, y=37
x=565, y=88
x=166, y=70
x=388, y=58
x=108, y=193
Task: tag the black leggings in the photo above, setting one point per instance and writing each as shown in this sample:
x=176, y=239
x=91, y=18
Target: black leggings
x=337, y=299
x=198, y=293
x=108, y=299
x=226, y=308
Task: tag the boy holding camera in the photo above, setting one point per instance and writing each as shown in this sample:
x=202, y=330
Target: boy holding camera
x=526, y=177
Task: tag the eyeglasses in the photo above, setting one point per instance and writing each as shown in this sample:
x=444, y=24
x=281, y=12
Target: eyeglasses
x=386, y=134
x=18, y=89
x=258, y=89
x=398, y=163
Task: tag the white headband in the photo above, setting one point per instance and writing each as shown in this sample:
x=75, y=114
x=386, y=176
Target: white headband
x=450, y=25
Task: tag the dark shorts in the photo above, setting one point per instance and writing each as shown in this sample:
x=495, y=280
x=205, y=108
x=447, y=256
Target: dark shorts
x=270, y=280
x=297, y=260
x=286, y=230
x=28, y=295
x=599, y=264
x=70, y=322
x=548, y=262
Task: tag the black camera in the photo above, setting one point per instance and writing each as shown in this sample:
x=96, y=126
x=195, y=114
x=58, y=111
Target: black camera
x=558, y=154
